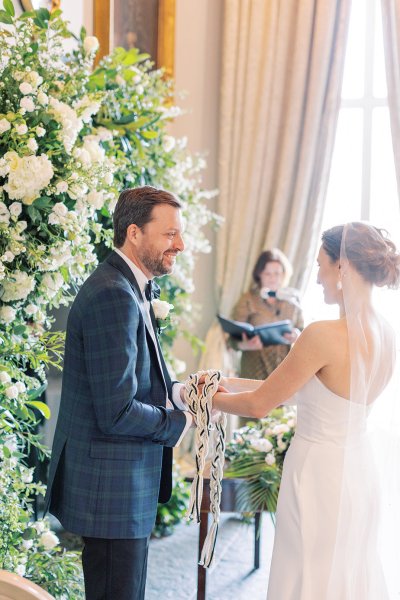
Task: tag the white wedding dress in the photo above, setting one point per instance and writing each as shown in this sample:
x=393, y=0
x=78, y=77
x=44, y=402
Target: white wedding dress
x=314, y=556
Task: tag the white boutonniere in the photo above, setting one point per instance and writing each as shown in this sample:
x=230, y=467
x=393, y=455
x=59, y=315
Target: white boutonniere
x=161, y=312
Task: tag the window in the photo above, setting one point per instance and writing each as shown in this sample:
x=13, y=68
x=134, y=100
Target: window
x=362, y=182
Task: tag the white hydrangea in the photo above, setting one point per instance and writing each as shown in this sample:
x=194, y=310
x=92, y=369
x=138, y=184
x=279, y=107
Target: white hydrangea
x=17, y=286
x=28, y=175
x=95, y=199
x=70, y=122
x=95, y=151
x=7, y=314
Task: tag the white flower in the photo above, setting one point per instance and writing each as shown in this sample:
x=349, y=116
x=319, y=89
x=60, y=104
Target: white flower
x=281, y=444
x=40, y=526
x=270, y=459
x=32, y=144
x=43, y=98
x=61, y=186
x=18, y=75
x=40, y=131
x=27, y=176
x=21, y=387
x=51, y=284
x=27, y=103
x=90, y=44
x=161, y=308
x=168, y=143
x=120, y=80
x=21, y=129
x=17, y=287
x=4, y=377
x=7, y=314
x=70, y=122
x=34, y=78
x=4, y=213
x=20, y=570
x=4, y=167
x=31, y=309
x=96, y=152
x=95, y=199
x=8, y=256
x=11, y=392
x=27, y=544
x=4, y=125
x=49, y=540
x=25, y=88
x=15, y=209
x=281, y=428
x=180, y=366
x=60, y=209
x=261, y=445
x=86, y=108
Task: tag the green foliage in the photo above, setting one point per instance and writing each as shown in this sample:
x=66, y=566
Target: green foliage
x=256, y=455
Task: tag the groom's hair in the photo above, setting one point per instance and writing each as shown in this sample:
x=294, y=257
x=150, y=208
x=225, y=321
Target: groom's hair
x=135, y=205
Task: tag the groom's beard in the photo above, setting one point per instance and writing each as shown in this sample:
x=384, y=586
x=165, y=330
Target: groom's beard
x=159, y=264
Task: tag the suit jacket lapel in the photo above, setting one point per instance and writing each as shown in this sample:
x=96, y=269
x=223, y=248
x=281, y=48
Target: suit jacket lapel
x=116, y=261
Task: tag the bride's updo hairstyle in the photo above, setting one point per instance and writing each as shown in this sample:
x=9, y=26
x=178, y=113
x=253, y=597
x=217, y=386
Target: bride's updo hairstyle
x=372, y=254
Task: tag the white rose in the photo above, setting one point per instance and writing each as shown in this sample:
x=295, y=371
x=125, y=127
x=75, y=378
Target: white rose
x=261, y=445
x=90, y=44
x=60, y=209
x=282, y=428
x=4, y=125
x=11, y=392
x=27, y=544
x=49, y=540
x=40, y=131
x=8, y=256
x=61, y=187
x=27, y=103
x=95, y=199
x=21, y=129
x=7, y=314
x=27, y=176
x=40, y=526
x=32, y=145
x=25, y=88
x=34, y=78
x=270, y=459
x=4, y=377
x=15, y=209
x=17, y=287
x=161, y=308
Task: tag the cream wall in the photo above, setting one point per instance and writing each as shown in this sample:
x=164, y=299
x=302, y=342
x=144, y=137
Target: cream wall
x=197, y=71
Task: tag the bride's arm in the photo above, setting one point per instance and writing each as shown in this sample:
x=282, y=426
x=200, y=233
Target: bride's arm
x=253, y=398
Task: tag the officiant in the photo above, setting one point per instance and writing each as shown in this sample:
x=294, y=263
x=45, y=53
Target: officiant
x=268, y=300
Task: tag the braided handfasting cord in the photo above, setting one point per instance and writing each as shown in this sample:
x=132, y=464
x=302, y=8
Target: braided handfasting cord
x=200, y=405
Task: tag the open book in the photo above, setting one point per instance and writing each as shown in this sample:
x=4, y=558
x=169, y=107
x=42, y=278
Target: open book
x=270, y=333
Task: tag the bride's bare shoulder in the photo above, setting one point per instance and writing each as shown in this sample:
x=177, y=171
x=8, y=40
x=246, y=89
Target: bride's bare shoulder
x=322, y=328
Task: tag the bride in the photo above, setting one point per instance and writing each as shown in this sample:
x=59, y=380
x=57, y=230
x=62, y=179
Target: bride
x=327, y=532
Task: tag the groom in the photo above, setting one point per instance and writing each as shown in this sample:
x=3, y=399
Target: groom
x=112, y=452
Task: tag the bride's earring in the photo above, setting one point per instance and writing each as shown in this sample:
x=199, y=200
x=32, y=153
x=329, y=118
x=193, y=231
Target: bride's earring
x=339, y=285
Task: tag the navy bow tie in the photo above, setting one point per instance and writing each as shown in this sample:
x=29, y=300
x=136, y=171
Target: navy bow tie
x=152, y=290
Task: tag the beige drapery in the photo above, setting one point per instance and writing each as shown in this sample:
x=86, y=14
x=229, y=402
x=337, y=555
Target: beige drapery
x=391, y=37
x=282, y=70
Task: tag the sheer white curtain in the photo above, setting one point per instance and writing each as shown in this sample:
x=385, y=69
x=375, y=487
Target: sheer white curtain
x=391, y=37
x=281, y=78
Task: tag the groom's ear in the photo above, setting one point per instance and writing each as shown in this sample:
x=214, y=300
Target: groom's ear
x=133, y=233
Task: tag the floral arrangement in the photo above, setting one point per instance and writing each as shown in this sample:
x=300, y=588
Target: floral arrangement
x=256, y=453
x=70, y=140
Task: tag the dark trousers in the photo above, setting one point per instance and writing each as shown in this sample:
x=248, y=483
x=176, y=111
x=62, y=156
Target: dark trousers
x=115, y=569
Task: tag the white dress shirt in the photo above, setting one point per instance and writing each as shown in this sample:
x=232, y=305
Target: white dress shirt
x=176, y=387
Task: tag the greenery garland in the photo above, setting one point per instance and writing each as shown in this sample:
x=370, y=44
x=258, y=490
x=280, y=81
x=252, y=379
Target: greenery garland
x=70, y=140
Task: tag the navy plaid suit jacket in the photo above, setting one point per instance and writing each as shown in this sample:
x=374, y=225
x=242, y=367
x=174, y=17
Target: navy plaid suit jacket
x=107, y=470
